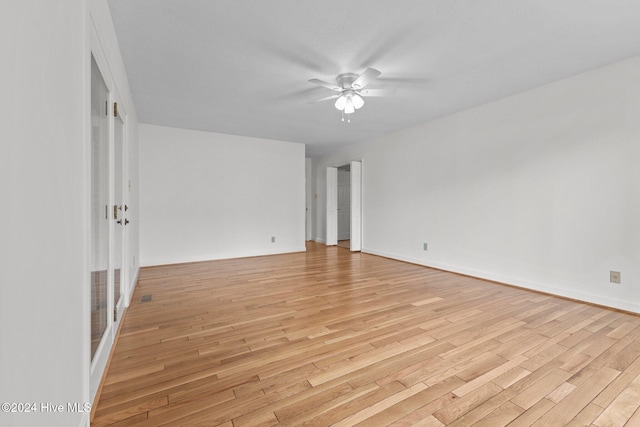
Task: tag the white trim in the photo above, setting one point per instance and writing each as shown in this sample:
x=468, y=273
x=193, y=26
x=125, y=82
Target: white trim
x=101, y=356
x=308, y=199
x=86, y=419
x=517, y=282
x=356, y=206
x=320, y=240
x=99, y=362
x=132, y=287
x=86, y=219
x=332, y=206
x=217, y=257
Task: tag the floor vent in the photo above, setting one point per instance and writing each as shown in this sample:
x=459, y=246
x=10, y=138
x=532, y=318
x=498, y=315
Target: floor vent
x=146, y=298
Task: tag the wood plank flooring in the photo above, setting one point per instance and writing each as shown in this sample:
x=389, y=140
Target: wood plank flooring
x=330, y=337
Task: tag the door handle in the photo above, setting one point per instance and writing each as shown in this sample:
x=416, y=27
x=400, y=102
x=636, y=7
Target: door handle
x=126, y=221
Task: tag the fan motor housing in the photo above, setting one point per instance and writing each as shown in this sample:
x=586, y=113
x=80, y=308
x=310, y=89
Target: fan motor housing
x=345, y=80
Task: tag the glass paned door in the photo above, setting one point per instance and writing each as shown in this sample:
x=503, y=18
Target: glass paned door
x=99, y=206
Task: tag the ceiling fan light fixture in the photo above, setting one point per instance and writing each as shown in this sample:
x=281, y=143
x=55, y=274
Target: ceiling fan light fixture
x=357, y=101
x=341, y=102
x=349, y=85
x=349, y=107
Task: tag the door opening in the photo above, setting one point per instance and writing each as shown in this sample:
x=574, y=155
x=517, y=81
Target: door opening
x=107, y=163
x=344, y=206
x=120, y=273
x=99, y=207
x=101, y=280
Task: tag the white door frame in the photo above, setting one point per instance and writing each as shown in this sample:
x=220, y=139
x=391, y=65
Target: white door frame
x=344, y=204
x=308, y=199
x=122, y=216
x=332, y=206
x=356, y=205
x=97, y=365
x=101, y=356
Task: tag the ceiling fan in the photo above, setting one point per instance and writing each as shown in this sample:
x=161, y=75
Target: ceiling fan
x=351, y=88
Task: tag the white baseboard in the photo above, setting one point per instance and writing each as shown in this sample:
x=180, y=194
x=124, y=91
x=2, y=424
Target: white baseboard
x=215, y=257
x=519, y=282
x=133, y=284
x=85, y=420
x=319, y=240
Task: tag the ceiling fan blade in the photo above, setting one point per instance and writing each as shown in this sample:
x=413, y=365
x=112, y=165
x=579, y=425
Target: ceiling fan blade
x=377, y=92
x=322, y=83
x=326, y=98
x=404, y=80
x=365, y=78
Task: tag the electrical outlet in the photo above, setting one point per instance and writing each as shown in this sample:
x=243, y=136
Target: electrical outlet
x=424, y=246
x=614, y=276
x=273, y=239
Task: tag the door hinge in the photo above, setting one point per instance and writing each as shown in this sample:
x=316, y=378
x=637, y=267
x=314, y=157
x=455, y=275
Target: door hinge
x=115, y=109
x=115, y=211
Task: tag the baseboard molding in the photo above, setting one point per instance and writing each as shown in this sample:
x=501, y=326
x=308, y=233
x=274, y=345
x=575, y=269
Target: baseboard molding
x=133, y=285
x=518, y=282
x=96, y=399
x=319, y=240
x=85, y=420
x=217, y=257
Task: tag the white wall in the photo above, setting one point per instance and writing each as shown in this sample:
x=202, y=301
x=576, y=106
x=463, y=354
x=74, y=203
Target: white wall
x=540, y=189
x=211, y=196
x=44, y=271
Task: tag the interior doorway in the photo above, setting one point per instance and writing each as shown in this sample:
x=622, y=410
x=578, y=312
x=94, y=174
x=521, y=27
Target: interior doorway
x=107, y=163
x=120, y=208
x=100, y=136
x=101, y=281
x=345, y=207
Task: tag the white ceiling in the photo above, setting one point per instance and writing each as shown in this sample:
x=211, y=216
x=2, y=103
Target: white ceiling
x=242, y=67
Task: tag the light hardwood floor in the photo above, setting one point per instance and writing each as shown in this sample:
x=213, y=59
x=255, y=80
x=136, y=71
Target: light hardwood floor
x=344, y=243
x=330, y=337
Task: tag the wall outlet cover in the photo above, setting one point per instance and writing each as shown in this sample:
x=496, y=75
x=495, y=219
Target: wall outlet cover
x=614, y=276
